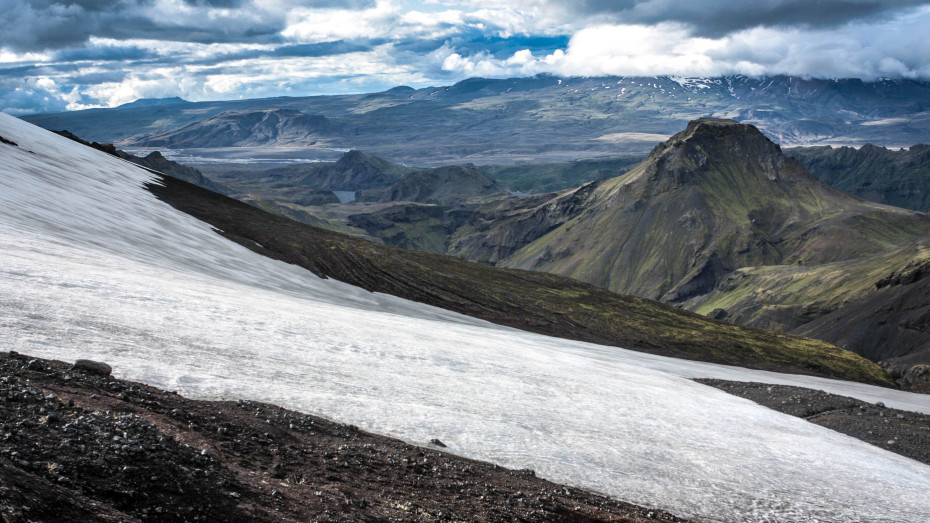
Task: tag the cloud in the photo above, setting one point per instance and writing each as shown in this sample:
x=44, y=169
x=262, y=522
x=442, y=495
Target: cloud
x=860, y=50
x=716, y=18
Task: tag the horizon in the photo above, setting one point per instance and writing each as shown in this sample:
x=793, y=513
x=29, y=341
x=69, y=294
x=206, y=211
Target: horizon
x=471, y=78
x=102, y=53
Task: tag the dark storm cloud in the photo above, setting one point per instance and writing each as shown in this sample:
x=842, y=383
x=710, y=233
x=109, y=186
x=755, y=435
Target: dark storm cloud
x=717, y=18
x=49, y=25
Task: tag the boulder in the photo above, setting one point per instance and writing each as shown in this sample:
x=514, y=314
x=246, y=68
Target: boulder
x=93, y=367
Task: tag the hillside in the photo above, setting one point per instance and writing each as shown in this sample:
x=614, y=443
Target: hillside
x=94, y=266
x=893, y=177
x=539, y=302
x=540, y=119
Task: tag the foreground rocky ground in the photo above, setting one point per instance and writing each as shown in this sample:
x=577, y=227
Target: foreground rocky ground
x=79, y=445
x=903, y=432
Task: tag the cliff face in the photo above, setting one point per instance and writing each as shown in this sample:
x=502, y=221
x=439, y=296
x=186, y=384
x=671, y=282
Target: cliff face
x=893, y=177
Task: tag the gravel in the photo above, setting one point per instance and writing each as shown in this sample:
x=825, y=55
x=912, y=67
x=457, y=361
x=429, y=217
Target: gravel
x=78, y=446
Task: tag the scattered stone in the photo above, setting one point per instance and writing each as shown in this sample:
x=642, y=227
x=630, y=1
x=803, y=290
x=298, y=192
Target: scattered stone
x=93, y=367
x=437, y=443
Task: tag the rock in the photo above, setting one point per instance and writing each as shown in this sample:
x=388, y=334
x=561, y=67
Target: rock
x=719, y=314
x=36, y=365
x=879, y=404
x=93, y=367
x=437, y=443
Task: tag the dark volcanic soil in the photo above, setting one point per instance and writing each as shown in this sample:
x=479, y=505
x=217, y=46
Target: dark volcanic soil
x=903, y=432
x=77, y=446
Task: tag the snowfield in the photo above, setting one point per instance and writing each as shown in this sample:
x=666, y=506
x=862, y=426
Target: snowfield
x=93, y=266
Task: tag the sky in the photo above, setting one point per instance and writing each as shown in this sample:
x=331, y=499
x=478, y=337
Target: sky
x=71, y=55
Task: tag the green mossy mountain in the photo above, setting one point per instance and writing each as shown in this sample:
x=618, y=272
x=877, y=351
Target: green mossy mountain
x=719, y=221
x=715, y=197
x=893, y=177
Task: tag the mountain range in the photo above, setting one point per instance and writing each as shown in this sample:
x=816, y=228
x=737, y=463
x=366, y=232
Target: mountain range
x=538, y=119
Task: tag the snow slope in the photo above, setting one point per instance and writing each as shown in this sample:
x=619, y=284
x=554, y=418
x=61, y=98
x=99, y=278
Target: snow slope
x=93, y=266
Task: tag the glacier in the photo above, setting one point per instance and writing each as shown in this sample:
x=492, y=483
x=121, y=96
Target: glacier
x=94, y=266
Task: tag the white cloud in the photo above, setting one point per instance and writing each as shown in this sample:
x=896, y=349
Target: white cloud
x=861, y=50
x=324, y=25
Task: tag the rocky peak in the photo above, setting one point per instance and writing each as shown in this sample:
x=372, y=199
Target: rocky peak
x=713, y=147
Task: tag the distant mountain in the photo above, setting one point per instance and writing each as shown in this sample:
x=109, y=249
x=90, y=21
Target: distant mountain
x=354, y=171
x=542, y=118
x=374, y=179
x=442, y=185
x=241, y=128
x=152, y=102
x=894, y=177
